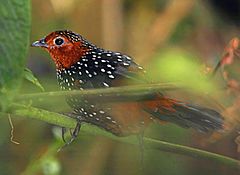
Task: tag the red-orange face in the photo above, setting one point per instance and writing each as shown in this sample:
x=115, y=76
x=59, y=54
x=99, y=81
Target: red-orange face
x=65, y=47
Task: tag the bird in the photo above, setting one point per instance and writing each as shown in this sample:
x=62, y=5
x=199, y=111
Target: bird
x=81, y=65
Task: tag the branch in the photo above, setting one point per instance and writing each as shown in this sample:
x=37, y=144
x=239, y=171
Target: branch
x=61, y=120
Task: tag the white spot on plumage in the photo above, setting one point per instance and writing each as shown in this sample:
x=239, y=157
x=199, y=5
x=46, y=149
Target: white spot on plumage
x=101, y=112
x=128, y=58
x=103, y=70
x=111, y=76
x=105, y=84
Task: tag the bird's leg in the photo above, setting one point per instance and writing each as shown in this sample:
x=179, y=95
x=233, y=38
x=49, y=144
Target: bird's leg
x=63, y=134
x=75, y=132
x=64, y=130
x=73, y=135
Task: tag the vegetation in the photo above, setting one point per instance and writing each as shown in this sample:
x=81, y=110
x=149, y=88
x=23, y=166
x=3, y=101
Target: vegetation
x=21, y=94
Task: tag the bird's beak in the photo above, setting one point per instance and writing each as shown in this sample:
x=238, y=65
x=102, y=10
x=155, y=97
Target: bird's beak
x=40, y=43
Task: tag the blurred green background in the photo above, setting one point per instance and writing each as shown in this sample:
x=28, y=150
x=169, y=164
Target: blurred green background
x=175, y=40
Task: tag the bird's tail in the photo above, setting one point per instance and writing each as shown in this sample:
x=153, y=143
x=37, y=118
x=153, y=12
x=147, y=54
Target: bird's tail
x=185, y=115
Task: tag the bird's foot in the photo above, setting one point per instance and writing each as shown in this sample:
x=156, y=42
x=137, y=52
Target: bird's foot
x=74, y=135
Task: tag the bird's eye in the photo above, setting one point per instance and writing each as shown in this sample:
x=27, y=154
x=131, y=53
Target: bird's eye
x=58, y=41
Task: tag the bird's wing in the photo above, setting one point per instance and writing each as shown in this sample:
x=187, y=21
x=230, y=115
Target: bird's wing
x=125, y=69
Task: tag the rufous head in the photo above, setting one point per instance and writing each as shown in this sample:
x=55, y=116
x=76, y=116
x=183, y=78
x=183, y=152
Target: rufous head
x=65, y=47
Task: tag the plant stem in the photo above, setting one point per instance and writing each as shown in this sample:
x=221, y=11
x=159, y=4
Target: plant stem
x=191, y=152
x=47, y=116
x=61, y=120
x=108, y=94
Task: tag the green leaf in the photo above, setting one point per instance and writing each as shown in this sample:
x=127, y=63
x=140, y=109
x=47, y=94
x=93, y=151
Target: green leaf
x=28, y=75
x=14, y=36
